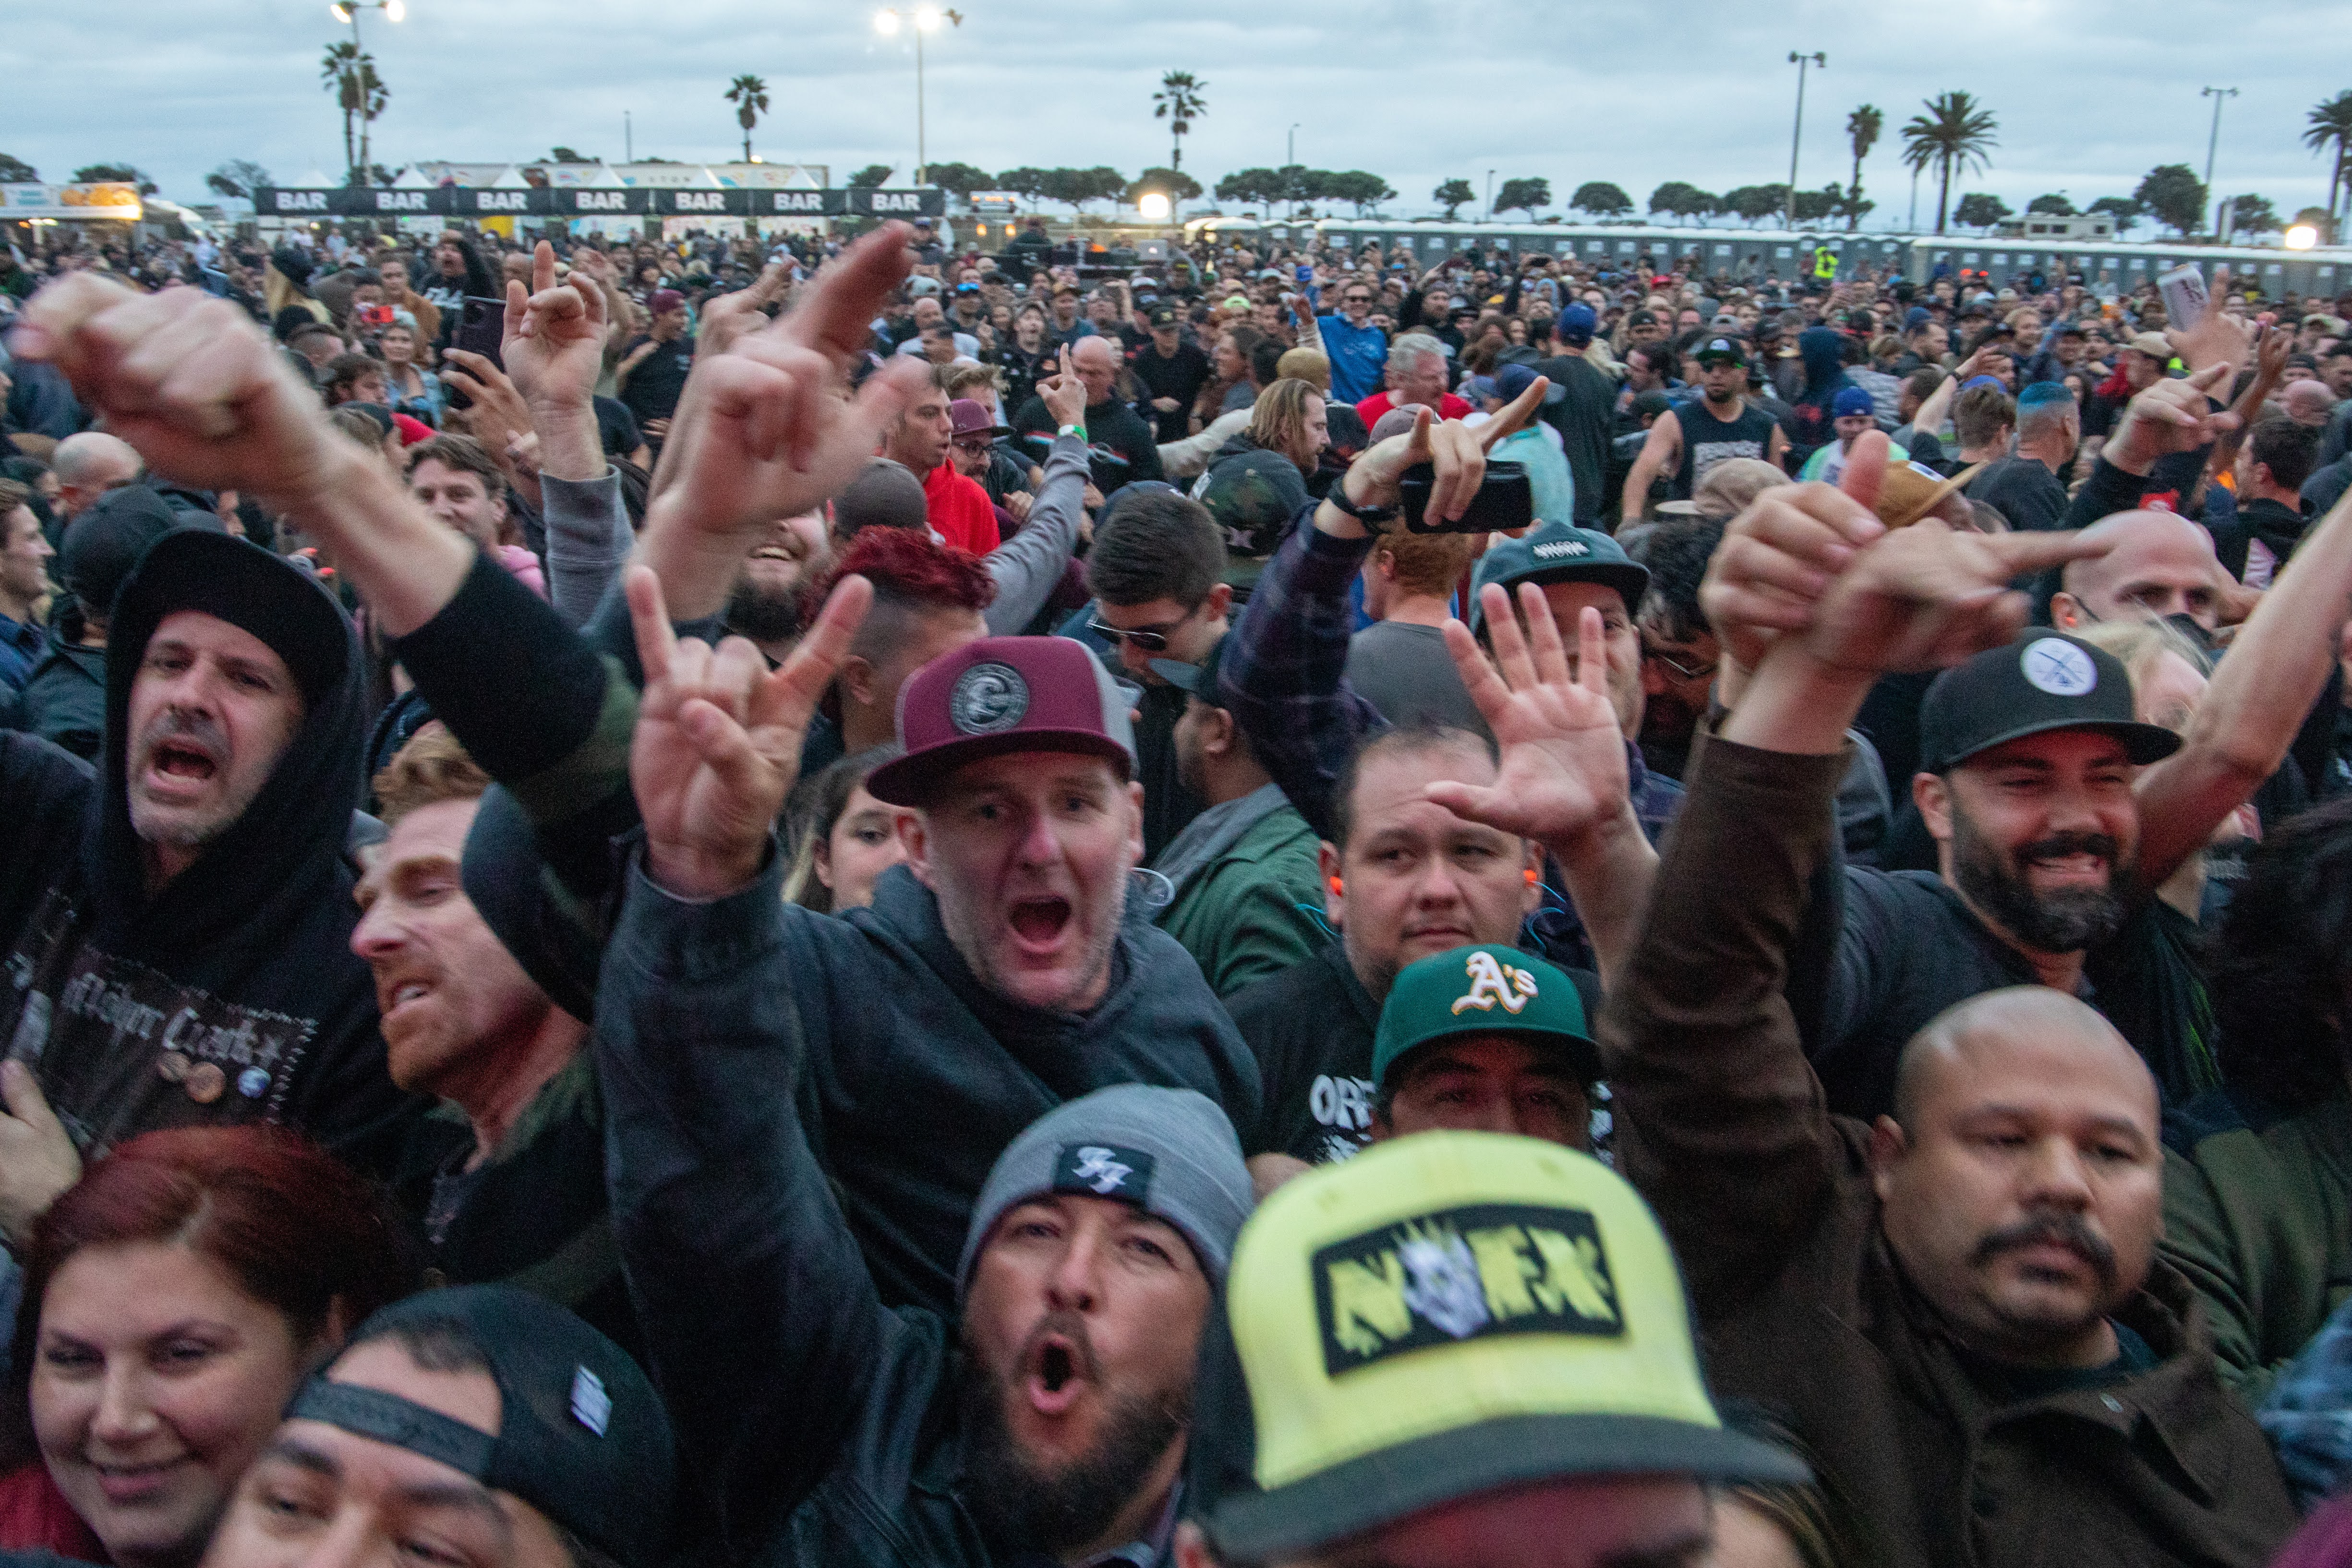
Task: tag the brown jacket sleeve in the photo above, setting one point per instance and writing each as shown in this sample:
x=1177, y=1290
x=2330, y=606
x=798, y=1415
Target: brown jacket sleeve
x=1720, y=1122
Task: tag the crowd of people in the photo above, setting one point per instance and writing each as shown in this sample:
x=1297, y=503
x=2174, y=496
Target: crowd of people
x=730, y=900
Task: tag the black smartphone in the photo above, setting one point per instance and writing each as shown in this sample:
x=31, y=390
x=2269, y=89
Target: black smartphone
x=1505, y=499
x=481, y=328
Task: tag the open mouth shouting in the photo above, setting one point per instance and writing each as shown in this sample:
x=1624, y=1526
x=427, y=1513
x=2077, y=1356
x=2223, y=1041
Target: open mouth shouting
x=1041, y=926
x=179, y=767
x=1056, y=1371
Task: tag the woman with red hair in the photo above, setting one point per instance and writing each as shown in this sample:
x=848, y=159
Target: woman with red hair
x=174, y=1299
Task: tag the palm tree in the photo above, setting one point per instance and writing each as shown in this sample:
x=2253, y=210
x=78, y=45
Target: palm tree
x=2332, y=121
x=749, y=96
x=339, y=73
x=1955, y=132
x=1179, y=102
x=1862, y=129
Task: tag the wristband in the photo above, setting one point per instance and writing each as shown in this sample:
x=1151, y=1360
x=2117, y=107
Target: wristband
x=1339, y=497
x=1077, y=430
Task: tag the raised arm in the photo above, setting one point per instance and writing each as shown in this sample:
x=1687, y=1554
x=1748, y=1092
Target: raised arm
x=1561, y=781
x=1721, y=1123
x=208, y=401
x=2261, y=693
x=764, y=1327
x=1028, y=566
x=762, y=430
x=1280, y=674
x=554, y=351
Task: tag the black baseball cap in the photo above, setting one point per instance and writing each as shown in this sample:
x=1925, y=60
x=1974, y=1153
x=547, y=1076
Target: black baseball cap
x=2045, y=680
x=582, y=1437
x=1726, y=350
x=1163, y=316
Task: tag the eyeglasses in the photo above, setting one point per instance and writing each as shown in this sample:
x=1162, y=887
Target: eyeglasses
x=1151, y=639
x=1677, y=668
x=973, y=443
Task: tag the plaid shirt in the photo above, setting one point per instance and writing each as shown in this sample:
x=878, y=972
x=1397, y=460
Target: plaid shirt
x=2308, y=1415
x=1281, y=677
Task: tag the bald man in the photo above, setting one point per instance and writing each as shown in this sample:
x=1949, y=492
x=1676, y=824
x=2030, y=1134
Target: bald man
x=1123, y=447
x=1955, y=1304
x=2308, y=403
x=88, y=466
x=2156, y=564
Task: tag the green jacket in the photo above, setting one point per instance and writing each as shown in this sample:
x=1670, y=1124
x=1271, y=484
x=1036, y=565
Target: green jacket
x=1239, y=916
x=2261, y=1224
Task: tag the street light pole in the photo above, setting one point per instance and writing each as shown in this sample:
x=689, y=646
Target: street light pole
x=926, y=19
x=2213, y=141
x=349, y=11
x=1796, y=135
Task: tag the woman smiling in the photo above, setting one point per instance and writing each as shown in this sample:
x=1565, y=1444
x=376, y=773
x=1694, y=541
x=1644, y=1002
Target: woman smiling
x=175, y=1298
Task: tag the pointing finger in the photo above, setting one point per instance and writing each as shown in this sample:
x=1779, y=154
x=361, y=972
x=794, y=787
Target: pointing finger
x=656, y=639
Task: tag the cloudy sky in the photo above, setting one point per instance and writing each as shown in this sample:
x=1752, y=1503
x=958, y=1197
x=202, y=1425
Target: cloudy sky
x=2090, y=93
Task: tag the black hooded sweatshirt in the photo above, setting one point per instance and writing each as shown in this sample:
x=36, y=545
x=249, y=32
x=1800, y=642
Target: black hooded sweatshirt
x=231, y=996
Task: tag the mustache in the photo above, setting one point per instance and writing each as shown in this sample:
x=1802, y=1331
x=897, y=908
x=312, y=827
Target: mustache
x=179, y=724
x=2064, y=1229
x=2102, y=844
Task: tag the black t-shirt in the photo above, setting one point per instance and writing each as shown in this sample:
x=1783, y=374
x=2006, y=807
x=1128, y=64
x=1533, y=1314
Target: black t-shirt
x=1583, y=416
x=1180, y=375
x=1311, y=1029
x=653, y=388
x=1707, y=440
x=1119, y=443
x=616, y=427
x=2023, y=490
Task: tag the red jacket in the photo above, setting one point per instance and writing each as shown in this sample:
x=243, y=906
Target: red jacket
x=960, y=510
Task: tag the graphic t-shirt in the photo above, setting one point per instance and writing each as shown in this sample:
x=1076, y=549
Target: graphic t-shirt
x=1707, y=441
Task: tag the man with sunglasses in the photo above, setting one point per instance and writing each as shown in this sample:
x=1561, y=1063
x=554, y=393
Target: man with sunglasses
x=1157, y=571
x=1359, y=351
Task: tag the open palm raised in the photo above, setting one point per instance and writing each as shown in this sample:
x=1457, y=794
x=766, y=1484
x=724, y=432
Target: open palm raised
x=1562, y=766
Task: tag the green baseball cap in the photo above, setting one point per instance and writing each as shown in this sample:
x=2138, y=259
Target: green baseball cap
x=1559, y=553
x=1444, y=1316
x=1484, y=989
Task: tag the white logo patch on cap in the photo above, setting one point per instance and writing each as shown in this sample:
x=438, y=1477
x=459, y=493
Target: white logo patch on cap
x=2058, y=666
x=591, y=1405
x=1565, y=547
x=987, y=698
x=1493, y=983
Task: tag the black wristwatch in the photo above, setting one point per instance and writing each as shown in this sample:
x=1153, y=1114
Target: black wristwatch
x=1338, y=497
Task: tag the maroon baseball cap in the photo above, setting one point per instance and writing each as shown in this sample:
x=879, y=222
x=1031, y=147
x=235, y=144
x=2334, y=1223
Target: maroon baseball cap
x=971, y=418
x=663, y=300
x=999, y=695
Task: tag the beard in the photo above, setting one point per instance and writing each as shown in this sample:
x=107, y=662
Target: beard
x=763, y=614
x=2066, y=919
x=1022, y=1504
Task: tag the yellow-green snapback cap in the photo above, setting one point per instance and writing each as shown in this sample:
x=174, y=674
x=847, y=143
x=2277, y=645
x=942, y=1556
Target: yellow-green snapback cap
x=1450, y=1313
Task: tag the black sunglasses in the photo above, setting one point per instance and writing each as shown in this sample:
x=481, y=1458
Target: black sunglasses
x=1151, y=639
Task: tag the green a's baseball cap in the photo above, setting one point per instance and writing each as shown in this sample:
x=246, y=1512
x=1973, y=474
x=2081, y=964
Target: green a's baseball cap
x=1486, y=989
x=1446, y=1315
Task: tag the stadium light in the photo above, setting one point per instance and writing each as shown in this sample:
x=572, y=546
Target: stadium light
x=1151, y=206
x=2301, y=237
x=924, y=19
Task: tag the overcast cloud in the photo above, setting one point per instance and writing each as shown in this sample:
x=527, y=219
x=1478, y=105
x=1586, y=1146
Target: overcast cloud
x=2090, y=93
